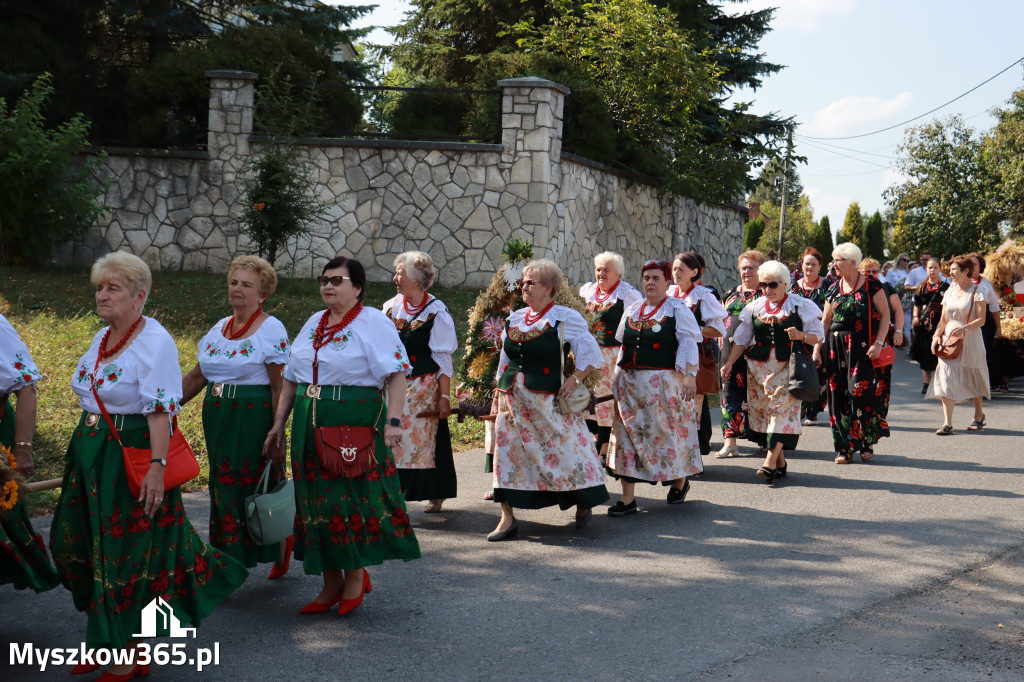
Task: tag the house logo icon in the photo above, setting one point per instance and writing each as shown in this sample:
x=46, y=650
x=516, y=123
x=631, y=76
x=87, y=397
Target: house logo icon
x=159, y=616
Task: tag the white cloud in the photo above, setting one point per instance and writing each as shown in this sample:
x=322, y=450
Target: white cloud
x=832, y=205
x=802, y=15
x=853, y=115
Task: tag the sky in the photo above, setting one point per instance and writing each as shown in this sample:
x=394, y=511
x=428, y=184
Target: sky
x=858, y=66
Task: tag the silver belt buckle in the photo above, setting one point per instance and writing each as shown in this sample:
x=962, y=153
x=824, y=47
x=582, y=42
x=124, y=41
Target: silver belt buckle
x=313, y=391
x=92, y=419
x=217, y=390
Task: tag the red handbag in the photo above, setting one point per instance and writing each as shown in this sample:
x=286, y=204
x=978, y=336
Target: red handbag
x=346, y=451
x=887, y=355
x=182, y=465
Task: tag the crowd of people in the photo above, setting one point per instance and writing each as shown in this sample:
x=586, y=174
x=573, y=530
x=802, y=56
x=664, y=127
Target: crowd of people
x=652, y=356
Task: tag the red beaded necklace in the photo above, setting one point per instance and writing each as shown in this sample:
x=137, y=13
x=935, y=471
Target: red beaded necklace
x=601, y=297
x=530, y=320
x=932, y=287
x=415, y=309
x=103, y=353
x=234, y=336
x=323, y=334
x=768, y=306
x=687, y=292
x=642, y=316
x=856, y=285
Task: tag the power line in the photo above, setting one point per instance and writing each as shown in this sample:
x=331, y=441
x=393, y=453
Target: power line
x=888, y=157
x=911, y=120
x=832, y=151
x=843, y=175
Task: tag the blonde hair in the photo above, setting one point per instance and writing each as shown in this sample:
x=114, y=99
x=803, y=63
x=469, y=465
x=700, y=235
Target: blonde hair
x=754, y=255
x=773, y=270
x=419, y=267
x=611, y=257
x=266, y=272
x=548, y=273
x=125, y=266
x=850, y=252
x=870, y=263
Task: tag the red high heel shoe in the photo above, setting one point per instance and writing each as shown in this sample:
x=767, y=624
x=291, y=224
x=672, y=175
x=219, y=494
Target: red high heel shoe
x=83, y=668
x=114, y=677
x=351, y=604
x=318, y=607
x=278, y=569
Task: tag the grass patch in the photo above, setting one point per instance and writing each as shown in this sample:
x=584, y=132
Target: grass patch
x=54, y=312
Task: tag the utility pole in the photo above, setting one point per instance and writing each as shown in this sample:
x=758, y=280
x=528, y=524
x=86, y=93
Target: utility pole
x=785, y=188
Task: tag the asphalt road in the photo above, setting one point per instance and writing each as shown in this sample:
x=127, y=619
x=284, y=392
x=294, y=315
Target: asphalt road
x=910, y=567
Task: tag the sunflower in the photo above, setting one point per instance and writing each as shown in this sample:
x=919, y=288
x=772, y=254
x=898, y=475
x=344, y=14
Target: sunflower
x=10, y=496
x=478, y=365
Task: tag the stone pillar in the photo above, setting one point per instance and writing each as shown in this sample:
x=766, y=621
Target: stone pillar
x=531, y=122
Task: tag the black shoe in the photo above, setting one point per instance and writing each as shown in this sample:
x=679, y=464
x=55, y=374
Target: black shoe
x=766, y=473
x=508, y=533
x=619, y=509
x=924, y=389
x=678, y=496
x=781, y=471
x=583, y=520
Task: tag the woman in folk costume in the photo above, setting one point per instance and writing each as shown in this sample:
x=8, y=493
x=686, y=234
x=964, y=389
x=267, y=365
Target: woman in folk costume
x=812, y=286
x=423, y=454
x=607, y=298
x=543, y=457
x=654, y=438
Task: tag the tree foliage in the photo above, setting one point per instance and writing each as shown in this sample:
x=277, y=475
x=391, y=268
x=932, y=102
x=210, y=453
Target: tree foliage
x=47, y=197
x=874, y=238
x=752, y=232
x=821, y=239
x=1003, y=158
x=853, y=226
x=944, y=204
x=799, y=227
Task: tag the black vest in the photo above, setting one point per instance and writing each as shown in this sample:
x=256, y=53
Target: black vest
x=415, y=336
x=535, y=354
x=645, y=348
x=768, y=336
x=608, y=316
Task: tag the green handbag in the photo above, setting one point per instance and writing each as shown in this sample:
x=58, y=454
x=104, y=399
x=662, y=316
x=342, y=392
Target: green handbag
x=269, y=516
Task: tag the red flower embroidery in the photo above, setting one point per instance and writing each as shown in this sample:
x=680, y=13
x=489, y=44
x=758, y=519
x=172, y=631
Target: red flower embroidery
x=400, y=518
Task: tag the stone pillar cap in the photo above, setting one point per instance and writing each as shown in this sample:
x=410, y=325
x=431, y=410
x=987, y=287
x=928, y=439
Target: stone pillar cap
x=228, y=73
x=533, y=82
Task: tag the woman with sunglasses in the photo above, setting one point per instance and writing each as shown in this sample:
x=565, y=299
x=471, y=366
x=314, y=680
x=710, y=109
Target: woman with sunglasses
x=340, y=363
x=543, y=457
x=607, y=298
x=734, y=385
x=812, y=286
x=769, y=329
x=687, y=269
x=857, y=326
x=869, y=267
x=423, y=455
x=654, y=437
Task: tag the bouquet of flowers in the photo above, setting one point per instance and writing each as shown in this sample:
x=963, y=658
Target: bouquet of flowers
x=10, y=480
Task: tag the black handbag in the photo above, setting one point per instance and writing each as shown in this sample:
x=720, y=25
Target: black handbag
x=803, y=375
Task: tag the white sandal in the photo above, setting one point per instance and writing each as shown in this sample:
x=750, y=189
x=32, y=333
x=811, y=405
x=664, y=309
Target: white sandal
x=727, y=452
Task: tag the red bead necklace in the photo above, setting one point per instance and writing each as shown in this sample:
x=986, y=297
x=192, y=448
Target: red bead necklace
x=686, y=293
x=234, y=336
x=324, y=333
x=642, y=316
x=415, y=309
x=601, y=297
x=530, y=320
x=768, y=306
x=932, y=287
x=103, y=353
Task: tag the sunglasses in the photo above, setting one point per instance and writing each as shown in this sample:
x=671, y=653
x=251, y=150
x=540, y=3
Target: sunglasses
x=658, y=263
x=770, y=285
x=333, y=281
x=530, y=283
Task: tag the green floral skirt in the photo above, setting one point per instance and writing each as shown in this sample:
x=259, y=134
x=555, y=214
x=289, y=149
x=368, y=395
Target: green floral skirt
x=235, y=430
x=346, y=523
x=24, y=562
x=113, y=558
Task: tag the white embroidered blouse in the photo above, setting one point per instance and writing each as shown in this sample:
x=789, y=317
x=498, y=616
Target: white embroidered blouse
x=143, y=379
x=712, y=312
x=810, y=317
x=575, y=331
x=688, y=332
x=17, y=368
x=364, y=353
x=243, y=361
x=443, y=338
x=623, y=291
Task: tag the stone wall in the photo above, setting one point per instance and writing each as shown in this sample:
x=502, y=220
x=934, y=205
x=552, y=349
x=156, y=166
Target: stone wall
x=459, y=202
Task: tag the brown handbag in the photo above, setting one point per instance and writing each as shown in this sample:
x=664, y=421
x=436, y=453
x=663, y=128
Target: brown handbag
x=950, y=346
x=708, y=379
x=346, y=451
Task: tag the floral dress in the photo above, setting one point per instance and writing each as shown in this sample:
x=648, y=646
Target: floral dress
x=24, y=562
x=426, y=466
x=857, y=391
x=810, y=409
x=773, y=413
x=237, y=414
x=543, y=457
x=606, y=311
x=928, y=301
x=656, y=438
x=112, y=557
x=347, y=523
x=734, y=388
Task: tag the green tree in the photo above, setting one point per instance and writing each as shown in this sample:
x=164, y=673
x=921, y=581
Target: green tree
x=943, y=206
x=47, y=196
x=1003, y=159
x=874, y=237
x=853, y=226
x=799, y=228
x=769, y=183
x=752, y=232
x=821, y=239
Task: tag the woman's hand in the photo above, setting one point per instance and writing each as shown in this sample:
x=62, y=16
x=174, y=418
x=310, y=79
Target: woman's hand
x=273, y=445
x=874, y=351
x=816, y=355
x=725, y=371
x=151, y=492
x=23, y=460
x=568, y=386
x=897, y=339
x=689, y=387
x=958, y=332
x=392, y=435
x=444, y=407
x=795, y=334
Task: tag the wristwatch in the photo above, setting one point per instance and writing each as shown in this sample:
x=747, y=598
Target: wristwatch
x=394, y=421
x=161, y=460
x=879, y=343
x=691, y=373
